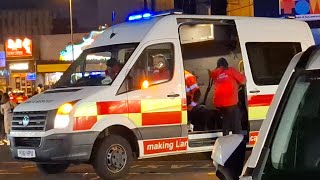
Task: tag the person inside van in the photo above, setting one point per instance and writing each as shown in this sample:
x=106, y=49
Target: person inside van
x=226, y=84
x=200, y=117
x=113, y=68
x=161, y=70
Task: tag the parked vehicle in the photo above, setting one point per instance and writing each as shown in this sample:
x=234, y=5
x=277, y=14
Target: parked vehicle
x=288, y=145
x=18, y=96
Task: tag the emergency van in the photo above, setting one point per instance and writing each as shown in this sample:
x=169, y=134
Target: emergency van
x=107, y=121
x=288, y=145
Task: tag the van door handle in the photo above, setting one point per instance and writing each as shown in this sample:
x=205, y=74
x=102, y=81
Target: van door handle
x=173, y=95
x=254, y=91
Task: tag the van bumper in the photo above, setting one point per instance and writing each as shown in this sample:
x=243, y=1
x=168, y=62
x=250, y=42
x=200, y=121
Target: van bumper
x=73, y=147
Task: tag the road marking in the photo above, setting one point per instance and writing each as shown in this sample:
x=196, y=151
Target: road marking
x=95, y=178
x=152, y=166
x=207, y=166
x=134, y=166
x=9, y=173
x=180, y=166
x=26, y=167
x=211, y=173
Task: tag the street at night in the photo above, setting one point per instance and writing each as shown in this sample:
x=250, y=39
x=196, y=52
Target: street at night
x=170, y=168
x=159, y=89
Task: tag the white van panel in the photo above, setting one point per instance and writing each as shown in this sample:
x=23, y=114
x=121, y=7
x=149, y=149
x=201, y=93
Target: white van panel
x=270, y=30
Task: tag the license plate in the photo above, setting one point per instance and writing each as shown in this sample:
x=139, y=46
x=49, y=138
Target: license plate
x=26, y=153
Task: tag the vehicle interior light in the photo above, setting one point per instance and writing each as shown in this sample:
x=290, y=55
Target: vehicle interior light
x=65, y=108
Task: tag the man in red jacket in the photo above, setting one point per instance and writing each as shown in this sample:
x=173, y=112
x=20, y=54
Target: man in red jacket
x=226, y=84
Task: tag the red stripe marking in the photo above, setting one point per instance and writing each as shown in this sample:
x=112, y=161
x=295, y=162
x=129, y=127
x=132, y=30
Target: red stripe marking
x=260, y=100
x=253, y=138
x=184, y=106
x=134, y=106
x=84, y=122
x=158, y=118
x=165, y=145
x=118, y=107
x=112, y=107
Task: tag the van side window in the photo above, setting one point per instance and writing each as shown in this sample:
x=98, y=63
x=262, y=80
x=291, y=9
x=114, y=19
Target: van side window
x=269, y=60
x=154, y=66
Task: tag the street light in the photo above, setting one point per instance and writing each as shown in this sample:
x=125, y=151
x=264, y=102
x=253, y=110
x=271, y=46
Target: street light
x=71, y=27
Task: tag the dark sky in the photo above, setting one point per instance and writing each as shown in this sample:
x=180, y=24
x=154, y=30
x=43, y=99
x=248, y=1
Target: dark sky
x=89, y=14
x=23, y=4
x=84, y=11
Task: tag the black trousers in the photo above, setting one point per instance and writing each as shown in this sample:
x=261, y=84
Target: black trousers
x=231, y=120
x=2, y=132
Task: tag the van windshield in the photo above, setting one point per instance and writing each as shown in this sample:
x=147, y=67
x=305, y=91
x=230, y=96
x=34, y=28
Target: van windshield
x=295, y=149
x=97, y=66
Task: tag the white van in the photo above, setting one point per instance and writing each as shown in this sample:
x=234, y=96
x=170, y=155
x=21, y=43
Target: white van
x=288, y=146
x=91, y=117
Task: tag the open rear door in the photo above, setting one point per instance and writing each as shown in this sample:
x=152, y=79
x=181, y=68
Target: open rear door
x=267, y=47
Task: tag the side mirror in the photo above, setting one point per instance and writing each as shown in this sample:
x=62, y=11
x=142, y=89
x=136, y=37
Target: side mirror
x=224, y=147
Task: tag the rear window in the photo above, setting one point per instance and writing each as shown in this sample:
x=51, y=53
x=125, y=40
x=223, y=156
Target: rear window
x=269, y=60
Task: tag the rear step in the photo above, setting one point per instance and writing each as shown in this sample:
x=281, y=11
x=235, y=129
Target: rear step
x=203, y=138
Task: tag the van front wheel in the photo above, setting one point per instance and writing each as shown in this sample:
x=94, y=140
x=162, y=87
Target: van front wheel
x=113, y=158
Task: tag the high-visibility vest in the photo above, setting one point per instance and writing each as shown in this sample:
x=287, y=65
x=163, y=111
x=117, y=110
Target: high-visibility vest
x=191, y=83
x=191, y=86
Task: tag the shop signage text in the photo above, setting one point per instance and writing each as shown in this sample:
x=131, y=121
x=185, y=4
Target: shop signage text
x=18, y=48
x=31, y=76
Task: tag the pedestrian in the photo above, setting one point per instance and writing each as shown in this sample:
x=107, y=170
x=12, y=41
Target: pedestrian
x=39, y=88
x=6, y=109
x=2, y=129
x=226, y=84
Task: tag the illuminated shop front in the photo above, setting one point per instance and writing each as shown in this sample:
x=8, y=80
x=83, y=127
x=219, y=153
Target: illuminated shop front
x=51, y=73
x=20, y=62
x=3, y=72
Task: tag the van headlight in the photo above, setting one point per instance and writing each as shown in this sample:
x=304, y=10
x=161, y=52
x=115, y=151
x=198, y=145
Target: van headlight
x=62, y=117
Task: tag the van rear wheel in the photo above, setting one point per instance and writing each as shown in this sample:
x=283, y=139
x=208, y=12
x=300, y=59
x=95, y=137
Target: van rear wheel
x=52, y=168
x=114, y=157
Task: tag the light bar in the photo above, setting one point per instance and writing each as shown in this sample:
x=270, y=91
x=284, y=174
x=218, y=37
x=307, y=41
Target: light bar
x=139, y=16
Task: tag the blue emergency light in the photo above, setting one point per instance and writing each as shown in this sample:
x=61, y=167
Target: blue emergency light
x=136, y=17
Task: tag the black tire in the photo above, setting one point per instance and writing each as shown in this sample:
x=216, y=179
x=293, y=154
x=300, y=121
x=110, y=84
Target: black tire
x=52, y=168
x=224, y=173
x=114, y=151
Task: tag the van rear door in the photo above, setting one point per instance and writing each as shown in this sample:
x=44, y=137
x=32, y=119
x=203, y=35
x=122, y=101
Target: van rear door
x=267, y=47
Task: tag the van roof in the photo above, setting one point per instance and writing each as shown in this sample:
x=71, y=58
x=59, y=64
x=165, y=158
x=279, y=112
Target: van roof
x=161, y=27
